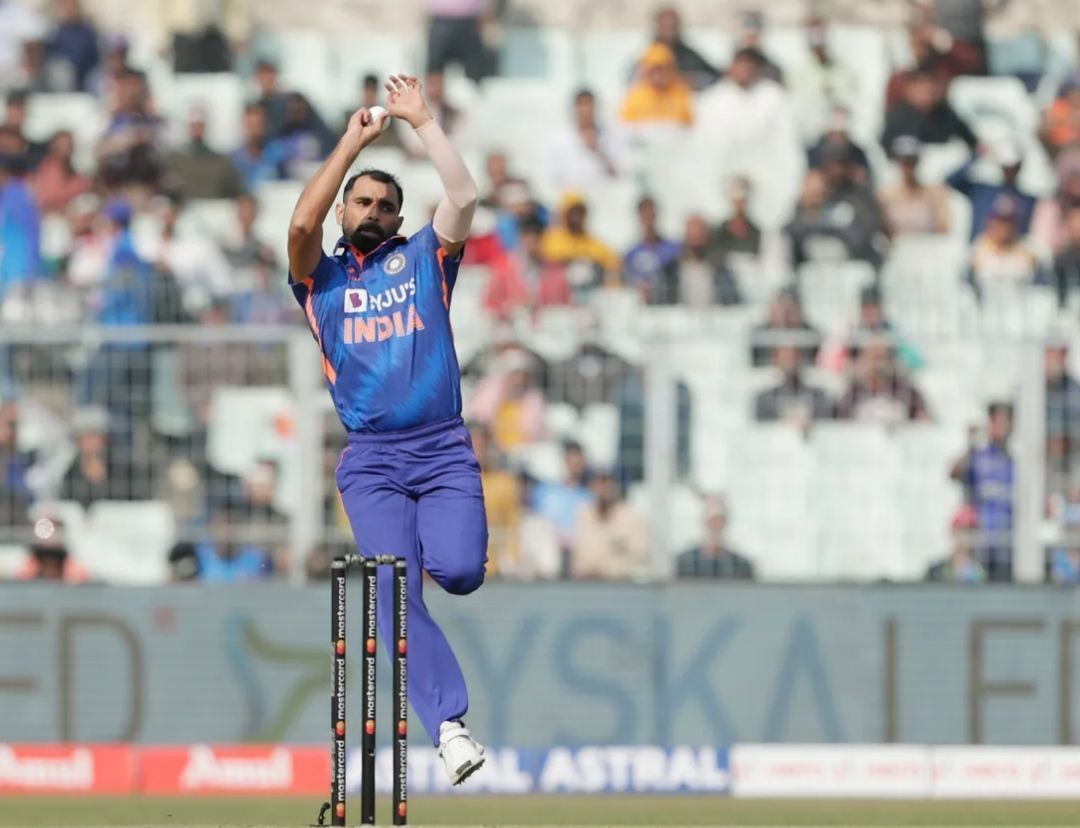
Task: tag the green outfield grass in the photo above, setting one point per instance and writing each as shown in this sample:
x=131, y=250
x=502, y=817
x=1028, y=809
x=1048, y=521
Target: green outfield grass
x=536, y=811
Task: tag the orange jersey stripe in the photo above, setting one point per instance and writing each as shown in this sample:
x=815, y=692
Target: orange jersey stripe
x=309, y=310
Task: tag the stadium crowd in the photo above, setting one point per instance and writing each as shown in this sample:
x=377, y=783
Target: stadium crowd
x=106, y=235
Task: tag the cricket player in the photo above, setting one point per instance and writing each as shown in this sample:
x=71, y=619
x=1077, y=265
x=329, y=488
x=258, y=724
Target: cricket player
x=379, y=309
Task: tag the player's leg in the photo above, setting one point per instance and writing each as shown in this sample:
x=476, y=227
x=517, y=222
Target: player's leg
x=452, y=527
x=383, y=519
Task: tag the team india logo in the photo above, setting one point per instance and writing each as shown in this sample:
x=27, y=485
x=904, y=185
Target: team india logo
x=395, y=264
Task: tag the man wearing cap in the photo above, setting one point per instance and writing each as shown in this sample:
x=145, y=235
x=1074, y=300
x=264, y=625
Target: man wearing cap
x=660, y=95
x=1000, y=255
x=909, y=206
x=590, y=263
x=983, y=195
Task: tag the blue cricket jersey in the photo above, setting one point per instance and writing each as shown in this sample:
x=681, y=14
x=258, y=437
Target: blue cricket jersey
x=382, y=322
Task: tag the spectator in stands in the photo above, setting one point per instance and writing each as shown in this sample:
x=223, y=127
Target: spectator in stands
x=1067, y=262
x=835, y=223
x=72, y=48
x=50, y=559
x=697, y=71
x=32, y=72
x=502, y=501
x=737, y=234
x=589, y=262
x=836, y=135
x=714, y=558
x=586, y=151
x=936, y=51
x=497, y=167
x=15, y=112
x=524, y=280
x=183, y=563
x=257, y=506
x=880, y=390
x=986, y=472
x=459, y=32
x=821, y=84
x=193, y=258
x=793, y=400
x=1061, y=122
x=837, y=355
x=749, y=36
x=909, y=206
x=962, y=565
x=270, y=94
x=702, y=277
x=451, y=118
x=1049, y=221
x=749, y=124
x=983, y=196
x=55, y=182
x=196, y=171
x=611, y=540
x=660, y=95
x=509, y=402
x=117, y=374
x=225, y=559
x=257, y=298
x=17, y=22
x=259, y=159
x=91, y=244
x=1000, y=255
x=652, y=256
x=129, y=153
x=20, y=226
x=537, y=551
x=1064, y=559
x=15, y=492
x=305, y=137
x=925, y=113
x=1062, y=418
x=592, y=374
x=104, y=80
x=561, y=502
x=784, y=317
x=97, y=472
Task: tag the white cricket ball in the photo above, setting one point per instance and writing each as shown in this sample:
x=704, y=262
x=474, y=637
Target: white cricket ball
x=379, y=114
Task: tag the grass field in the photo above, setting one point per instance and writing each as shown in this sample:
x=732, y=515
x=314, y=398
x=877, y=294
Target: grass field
x=537, y=811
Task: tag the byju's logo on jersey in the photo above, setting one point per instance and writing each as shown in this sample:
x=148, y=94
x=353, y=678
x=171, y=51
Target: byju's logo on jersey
x=356, y=300
x=394, y=264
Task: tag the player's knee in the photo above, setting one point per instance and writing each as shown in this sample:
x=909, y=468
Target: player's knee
x=464, y=577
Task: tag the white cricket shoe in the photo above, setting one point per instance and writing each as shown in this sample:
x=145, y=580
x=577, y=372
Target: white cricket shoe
x=461, y=753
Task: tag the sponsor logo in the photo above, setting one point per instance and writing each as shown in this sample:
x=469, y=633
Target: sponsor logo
x=206, y=770
x=356, y=300
x=360, y=329
x=69, y=771
x=395, y=264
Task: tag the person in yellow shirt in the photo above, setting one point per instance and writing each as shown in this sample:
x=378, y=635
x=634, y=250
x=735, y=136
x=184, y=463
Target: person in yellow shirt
x=589, y=262
x=660, y=95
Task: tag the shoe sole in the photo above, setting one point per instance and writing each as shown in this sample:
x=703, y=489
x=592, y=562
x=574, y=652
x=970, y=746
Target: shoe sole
x=468, y=769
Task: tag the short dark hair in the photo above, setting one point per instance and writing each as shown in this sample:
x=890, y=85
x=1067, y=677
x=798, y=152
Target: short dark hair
x=17, y=97
x=584, y=92
x=370, y=80
x=995, y=408
x=382, y=176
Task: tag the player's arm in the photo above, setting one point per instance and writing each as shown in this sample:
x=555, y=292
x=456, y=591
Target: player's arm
x=305, y=228
x=454, y=214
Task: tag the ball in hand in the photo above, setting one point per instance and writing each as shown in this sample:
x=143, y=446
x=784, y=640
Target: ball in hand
x=379, y=115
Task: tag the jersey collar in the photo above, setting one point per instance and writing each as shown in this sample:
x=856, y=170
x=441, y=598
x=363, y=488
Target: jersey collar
x=344, y=247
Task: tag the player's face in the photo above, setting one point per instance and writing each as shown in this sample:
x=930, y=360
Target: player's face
x=369, y=214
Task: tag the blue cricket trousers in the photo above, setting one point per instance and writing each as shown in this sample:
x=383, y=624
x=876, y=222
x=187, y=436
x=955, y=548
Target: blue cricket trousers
x=417, y=494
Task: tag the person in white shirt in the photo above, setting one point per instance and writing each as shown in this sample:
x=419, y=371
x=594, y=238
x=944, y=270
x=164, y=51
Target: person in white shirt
x=747, y=122
x=585, y=151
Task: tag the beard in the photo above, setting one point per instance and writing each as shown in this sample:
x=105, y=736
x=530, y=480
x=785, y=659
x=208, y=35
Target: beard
x=367, y=236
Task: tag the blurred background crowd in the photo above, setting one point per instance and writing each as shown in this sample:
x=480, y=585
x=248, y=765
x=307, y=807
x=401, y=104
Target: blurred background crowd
x=763, y=300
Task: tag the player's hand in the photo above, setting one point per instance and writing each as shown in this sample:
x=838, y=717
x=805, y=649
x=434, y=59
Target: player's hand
x=362, y=128
x=405, y=100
